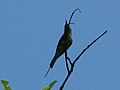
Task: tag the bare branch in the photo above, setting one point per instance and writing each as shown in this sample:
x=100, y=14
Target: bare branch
x=72, y=64
x=88, y=47
x=66, y=61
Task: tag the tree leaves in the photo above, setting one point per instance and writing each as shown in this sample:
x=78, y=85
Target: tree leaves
x=6, y=87
x=5, y=84
x=49, y=86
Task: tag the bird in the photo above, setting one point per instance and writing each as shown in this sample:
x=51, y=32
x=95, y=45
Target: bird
x=64, y=43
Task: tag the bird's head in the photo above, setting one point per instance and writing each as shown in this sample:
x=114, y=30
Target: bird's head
x=67, y=28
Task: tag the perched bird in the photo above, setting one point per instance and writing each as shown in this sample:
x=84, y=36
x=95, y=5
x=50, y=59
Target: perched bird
x=64, y=43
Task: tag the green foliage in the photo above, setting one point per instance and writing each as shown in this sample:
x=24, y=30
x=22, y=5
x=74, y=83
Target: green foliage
x=5, y=84
x=6, y=87
x=49, y=86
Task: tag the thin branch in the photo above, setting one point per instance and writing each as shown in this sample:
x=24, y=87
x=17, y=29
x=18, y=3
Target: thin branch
x=66, y=61
x=69, y=60
x=88, y=47
x=72, y=64
x=62, y=86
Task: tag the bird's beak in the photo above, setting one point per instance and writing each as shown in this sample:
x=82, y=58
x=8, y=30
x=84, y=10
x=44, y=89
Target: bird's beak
x=66, y=21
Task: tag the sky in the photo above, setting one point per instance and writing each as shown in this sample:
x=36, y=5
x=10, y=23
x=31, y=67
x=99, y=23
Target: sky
x=31, y=29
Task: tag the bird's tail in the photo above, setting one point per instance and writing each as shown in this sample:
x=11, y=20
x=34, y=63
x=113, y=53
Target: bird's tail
x=47, y=72
x=53, y=62
x=51, y=65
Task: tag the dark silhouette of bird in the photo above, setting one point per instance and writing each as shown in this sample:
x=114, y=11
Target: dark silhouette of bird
x=64, y=43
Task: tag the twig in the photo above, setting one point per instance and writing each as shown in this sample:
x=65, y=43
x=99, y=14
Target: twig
x=66, y=61
x=88, y=47
x=72, y=64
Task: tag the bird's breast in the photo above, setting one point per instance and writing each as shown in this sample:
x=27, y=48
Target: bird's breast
x=69, y=39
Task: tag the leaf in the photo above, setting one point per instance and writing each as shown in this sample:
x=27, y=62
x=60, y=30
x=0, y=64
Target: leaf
x=49, y=86
x=45, y=88
x=9, y=88
x=5, y=83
